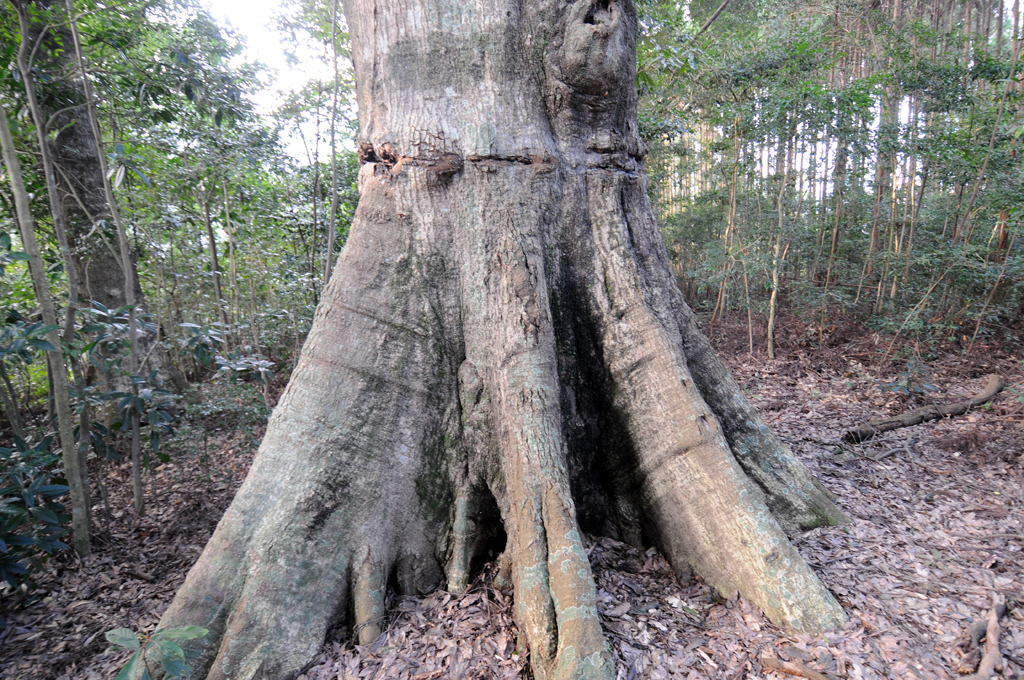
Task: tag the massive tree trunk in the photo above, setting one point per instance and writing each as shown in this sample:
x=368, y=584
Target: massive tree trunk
x=502, y=350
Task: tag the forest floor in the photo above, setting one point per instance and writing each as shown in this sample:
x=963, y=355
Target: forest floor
x=937, y=533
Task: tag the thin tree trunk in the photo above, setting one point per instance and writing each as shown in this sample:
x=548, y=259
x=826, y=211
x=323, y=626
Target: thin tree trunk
x=214, y=263
x=988, y=300
x=999, y=28
x=233, y=273
x=916, y=208
x=332, y=221
x=778, y=254
x=963, y=224
x=731, y=227
x=881, y=171
x=1016, y=34
x=820, y=198
x=58, y=372
x=10, y=398
x=838, y=179
x=316, y=197
x=891, y=239
x=84, y=431
x=122, y=237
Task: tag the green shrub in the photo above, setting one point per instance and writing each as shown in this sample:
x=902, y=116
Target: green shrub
x=30, y=514
x=156, y=648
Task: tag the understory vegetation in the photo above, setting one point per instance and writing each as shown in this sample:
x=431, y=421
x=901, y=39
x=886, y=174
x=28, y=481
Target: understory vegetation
x=844, y=169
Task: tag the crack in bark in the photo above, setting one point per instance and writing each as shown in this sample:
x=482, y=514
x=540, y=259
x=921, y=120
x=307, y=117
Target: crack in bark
x=376, y=317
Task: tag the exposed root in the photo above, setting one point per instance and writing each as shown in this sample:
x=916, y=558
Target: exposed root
x=797, y=500
x=706, y=514
x=555, y=596
x=794, y=496
x=368, y=599
x=462, y=536
x=534, y=607
x=862, y=433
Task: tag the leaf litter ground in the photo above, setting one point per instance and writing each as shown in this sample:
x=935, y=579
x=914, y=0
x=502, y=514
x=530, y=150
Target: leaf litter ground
x=937, y=531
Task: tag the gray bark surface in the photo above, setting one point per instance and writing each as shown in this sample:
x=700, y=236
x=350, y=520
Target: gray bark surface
x=502, y=350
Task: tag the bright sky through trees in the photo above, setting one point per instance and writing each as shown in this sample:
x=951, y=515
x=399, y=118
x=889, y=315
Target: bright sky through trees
x=254, y=20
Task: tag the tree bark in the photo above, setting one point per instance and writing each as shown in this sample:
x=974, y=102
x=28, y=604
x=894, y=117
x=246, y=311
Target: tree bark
x=502, y=349
x=90, y=228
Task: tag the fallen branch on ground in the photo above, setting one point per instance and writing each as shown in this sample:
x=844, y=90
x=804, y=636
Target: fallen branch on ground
x=992, y=659
x=862, y=433
x=989, y=537
x=792, y=668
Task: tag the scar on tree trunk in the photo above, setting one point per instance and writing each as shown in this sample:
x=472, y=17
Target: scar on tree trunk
x=502, y=356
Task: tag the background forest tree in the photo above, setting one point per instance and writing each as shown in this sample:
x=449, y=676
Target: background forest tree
x=853, y=164
x=858, y=160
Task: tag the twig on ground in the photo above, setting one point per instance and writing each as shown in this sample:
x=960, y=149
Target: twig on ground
x=792, y=668
x=976, y=630
x=834, y=559
x=430, y=675
x=991, y=659
x=988, y=537
x=140, y=575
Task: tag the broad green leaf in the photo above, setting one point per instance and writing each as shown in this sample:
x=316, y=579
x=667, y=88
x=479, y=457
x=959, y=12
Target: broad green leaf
x=44, y=515
x=52, y=490
x=128, y=672
x=175, y=668
x=50, y=546
x=42, y=344
x=123, y=637
x=168, y=650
